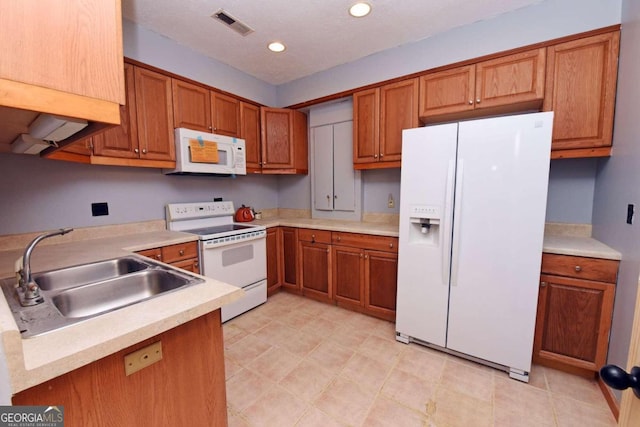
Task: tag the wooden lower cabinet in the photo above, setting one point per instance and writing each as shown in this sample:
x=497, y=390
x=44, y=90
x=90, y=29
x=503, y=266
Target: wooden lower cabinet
x=380, y=278
x=273, y=269
x=182, y=255
x=575, y=306
x=348, y=276
x=314, y=260
x=353, y=270
x=185, y=387
x=365, y=273
x=289, y=258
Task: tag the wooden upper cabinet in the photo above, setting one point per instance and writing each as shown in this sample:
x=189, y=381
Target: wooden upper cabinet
x=154, y=115
x=191, y=106
x=63, y=58
x=121, y=141
x=284, y=141
x=449, y=91
x=512, y=79
x=398, y=111
x=379, y=116
x=580, y=90
x=250, y=132
x=226, y=114
x=508, y=84
x=366, y=125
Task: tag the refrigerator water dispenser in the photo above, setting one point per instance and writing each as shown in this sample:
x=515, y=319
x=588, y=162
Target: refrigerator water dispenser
x=424, y=225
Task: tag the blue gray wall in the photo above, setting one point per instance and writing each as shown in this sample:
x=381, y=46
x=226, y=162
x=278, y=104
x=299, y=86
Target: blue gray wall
x=39, y=194
x=618, y=184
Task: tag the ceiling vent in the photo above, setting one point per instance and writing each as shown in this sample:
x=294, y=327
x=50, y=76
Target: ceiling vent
x=233, y=23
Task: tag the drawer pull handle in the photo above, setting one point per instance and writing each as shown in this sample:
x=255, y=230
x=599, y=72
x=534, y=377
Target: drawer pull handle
x=543, y=284
x=578, y=268
x=181, y=252
x=158, y=256
x=390, y=245
x=338, y=238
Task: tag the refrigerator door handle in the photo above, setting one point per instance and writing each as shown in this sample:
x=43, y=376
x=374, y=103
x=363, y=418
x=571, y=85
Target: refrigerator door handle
x=446, y=224
x=455, y=253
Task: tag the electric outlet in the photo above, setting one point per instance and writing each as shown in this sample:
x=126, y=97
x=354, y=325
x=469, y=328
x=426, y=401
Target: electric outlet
x=391, y=203
x=99, y=209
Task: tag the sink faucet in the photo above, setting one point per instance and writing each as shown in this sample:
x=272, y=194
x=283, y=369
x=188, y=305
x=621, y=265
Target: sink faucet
x=30, y=292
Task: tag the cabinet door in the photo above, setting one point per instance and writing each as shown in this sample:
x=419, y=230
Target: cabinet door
x=289, y=258
x=398, y=111
x=381, y=277
x=226, y=114
x=315, y=264
x=121, y=141
x=250, y=120
x=445, y=92
x=573, y=321
x=154, y=115
x=69, y=54
x=191, y=106
x=348, y=275
x=511, y=79
x=323, y=161
x=277, y=149
x=580, y=90
x=366, y=128
x=273, y=276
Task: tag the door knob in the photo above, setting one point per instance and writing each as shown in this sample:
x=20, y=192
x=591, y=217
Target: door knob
x=616, y=377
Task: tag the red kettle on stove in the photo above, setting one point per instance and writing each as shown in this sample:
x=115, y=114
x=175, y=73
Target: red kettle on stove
x=244, y=214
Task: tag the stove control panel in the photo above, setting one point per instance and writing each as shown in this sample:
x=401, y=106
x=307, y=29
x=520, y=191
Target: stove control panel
x=183, y=211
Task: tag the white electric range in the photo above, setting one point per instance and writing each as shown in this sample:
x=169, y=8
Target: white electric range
x=230, y=252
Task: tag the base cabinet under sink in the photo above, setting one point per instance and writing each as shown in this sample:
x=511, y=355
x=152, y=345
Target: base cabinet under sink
x=185, y=387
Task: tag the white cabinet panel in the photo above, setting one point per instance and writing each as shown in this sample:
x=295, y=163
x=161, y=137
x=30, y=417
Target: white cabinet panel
x=322, y=157
x=335, y=185
x=343, y=172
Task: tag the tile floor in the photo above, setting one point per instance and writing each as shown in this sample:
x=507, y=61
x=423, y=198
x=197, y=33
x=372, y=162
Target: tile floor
x=297, y=362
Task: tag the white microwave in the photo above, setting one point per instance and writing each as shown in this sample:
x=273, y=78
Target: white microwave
x=207, y=153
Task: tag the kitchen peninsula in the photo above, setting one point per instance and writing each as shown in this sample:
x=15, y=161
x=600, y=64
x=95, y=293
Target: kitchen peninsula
x=85, y=361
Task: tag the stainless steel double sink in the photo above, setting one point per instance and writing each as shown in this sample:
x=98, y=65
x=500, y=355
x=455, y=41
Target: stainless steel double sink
x=80, y=292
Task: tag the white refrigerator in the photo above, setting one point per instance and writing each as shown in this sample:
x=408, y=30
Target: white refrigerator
x=472, y=212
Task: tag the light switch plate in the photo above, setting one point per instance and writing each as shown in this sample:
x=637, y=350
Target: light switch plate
x=140, y=359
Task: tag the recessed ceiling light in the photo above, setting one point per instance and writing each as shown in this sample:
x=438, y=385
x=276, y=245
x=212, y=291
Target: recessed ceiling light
x=277, y=47
x=360, y=9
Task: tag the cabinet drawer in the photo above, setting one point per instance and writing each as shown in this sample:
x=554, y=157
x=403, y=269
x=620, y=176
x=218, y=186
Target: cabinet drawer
x=179, y=252
x=189, y=265
x=154, y=253
x=319, y=236
x=603, y=270
x=366, y=241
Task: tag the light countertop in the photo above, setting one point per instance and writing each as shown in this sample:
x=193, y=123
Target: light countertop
x=578, y=246
x=563, y=239
x=35, y=360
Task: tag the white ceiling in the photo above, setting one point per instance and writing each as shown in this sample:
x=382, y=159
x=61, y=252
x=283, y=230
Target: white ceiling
x=319, y=34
